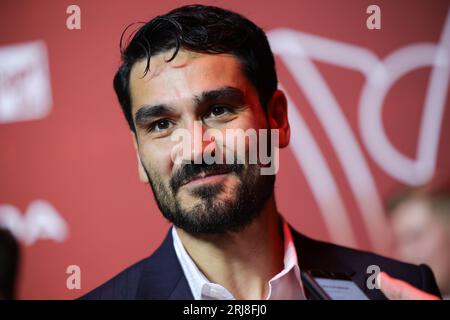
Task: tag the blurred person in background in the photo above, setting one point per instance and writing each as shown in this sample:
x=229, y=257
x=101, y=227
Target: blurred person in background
x=421, y=223
x=9, y=262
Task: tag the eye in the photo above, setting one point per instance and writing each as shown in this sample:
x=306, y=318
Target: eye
x=217, y=111
x=160, y=125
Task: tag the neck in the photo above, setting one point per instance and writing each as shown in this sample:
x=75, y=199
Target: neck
x=243, y=262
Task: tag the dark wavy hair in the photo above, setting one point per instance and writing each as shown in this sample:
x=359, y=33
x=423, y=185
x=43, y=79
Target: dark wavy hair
x=203, y=29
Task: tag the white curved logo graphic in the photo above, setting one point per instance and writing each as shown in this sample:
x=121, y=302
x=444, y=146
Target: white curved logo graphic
x=297, y=50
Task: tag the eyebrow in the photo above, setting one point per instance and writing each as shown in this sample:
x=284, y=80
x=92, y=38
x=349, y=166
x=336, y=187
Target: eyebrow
x=224, y=93
x=227, y=93
x=145, y=113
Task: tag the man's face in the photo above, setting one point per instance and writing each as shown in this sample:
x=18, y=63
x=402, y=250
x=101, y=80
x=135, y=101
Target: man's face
x=423, y=236
x=197, y=92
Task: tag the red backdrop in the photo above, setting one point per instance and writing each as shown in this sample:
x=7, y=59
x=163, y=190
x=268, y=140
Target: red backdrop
x=369, y=112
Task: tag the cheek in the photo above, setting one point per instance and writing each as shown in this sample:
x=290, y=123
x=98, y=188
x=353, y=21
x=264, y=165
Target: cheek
x=248, y=124
x=157, y=158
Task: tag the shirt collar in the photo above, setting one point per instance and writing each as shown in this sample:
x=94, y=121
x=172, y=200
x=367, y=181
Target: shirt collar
x=194, y=276
x=286, y=284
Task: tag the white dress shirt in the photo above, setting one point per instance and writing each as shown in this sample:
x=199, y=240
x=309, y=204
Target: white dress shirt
x=286, y=285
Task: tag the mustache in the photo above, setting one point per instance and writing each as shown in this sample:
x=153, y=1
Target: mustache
x=189, y=171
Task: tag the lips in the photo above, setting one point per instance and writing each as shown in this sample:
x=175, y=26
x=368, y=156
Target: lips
x=207, y=174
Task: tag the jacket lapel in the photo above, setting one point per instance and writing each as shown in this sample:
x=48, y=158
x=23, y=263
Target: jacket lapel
x=318, y=255
x=162, y=277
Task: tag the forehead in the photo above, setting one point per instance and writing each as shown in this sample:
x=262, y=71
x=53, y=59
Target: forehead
x=187, y=75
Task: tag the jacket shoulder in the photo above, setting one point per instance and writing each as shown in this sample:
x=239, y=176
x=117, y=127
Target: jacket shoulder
x=123, y=286
x=320, y=254
x=158, y=276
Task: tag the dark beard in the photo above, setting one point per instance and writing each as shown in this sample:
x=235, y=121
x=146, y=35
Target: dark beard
x=214, y=216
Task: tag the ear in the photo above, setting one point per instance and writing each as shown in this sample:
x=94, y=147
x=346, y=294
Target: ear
x=142, y=175
x=278, y=117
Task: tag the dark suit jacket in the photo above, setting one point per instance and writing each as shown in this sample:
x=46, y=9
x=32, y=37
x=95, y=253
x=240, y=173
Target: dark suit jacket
x=161, y=277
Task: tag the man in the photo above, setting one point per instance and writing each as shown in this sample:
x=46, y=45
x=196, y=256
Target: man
x=421, y=222
x=208, y=69
x=9, y=264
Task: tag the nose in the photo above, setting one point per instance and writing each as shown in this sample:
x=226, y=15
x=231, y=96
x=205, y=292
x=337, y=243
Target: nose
x=196, y=144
